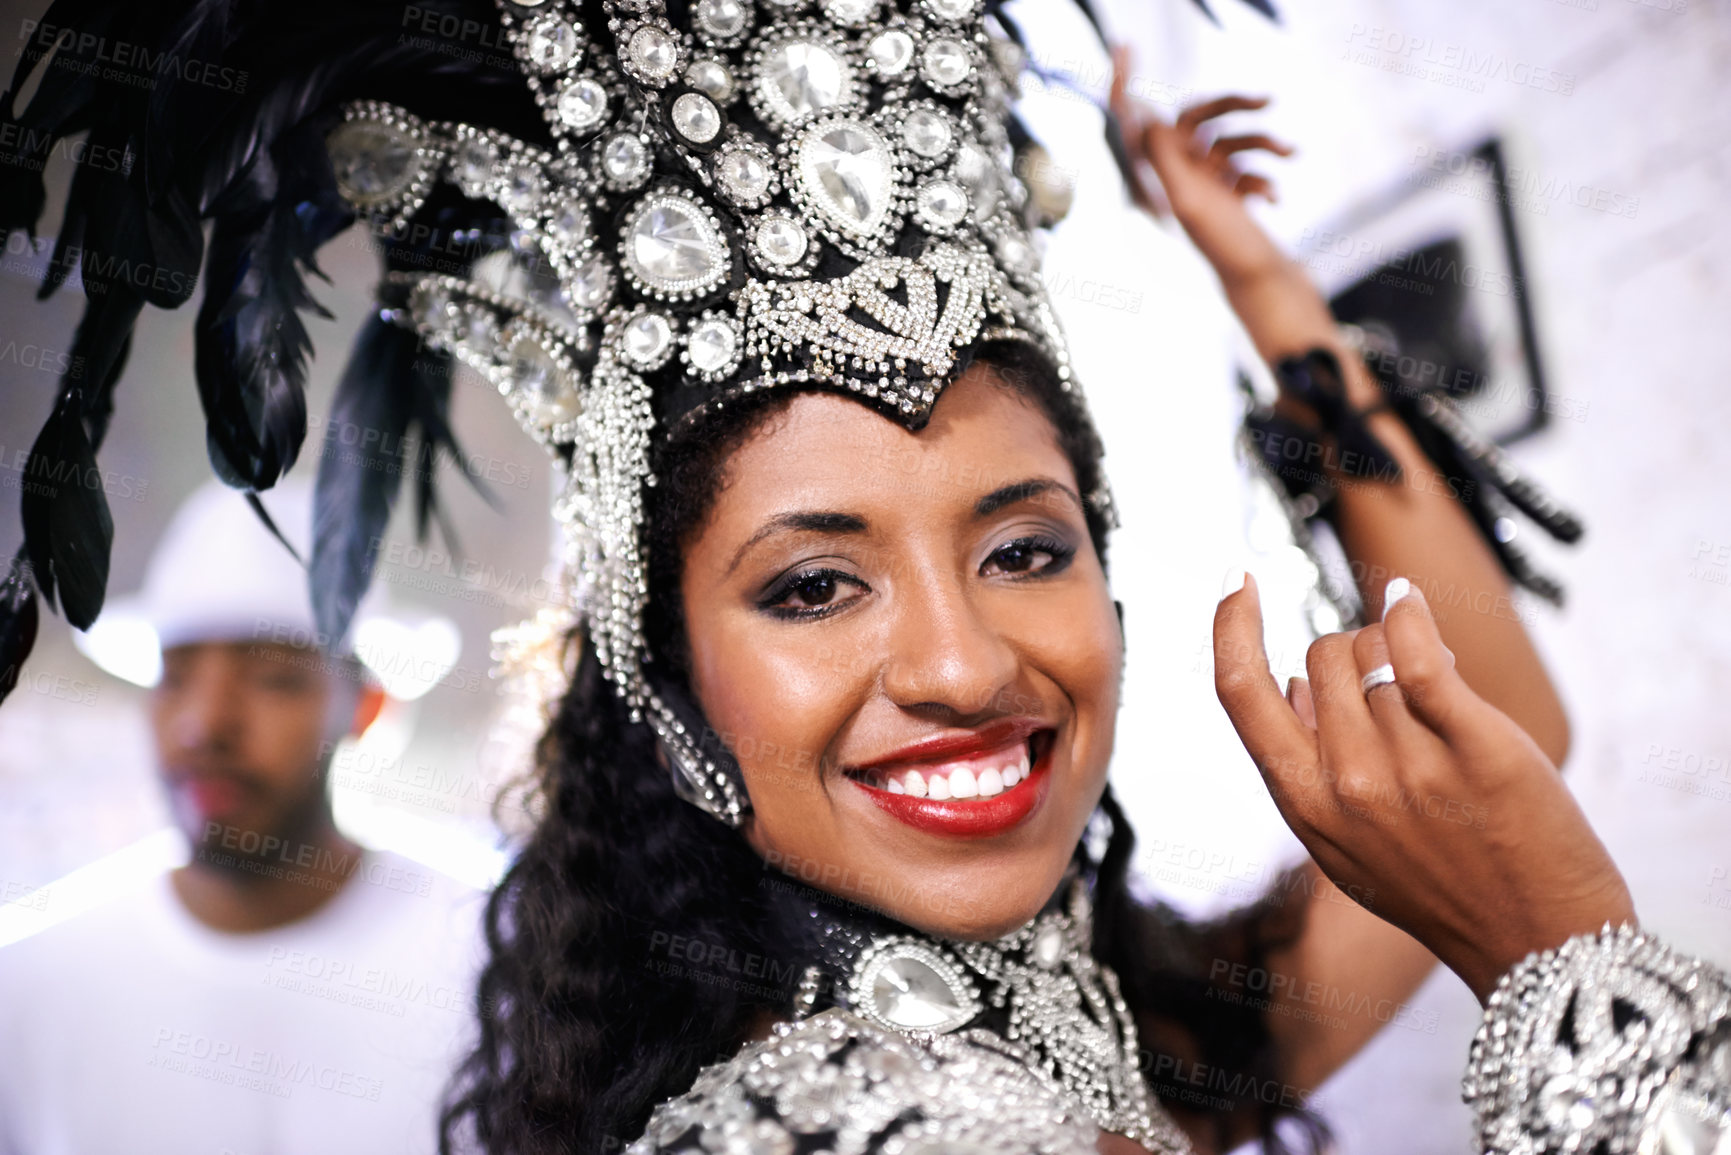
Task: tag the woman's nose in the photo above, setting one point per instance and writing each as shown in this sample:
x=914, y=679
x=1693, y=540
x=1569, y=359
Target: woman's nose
x=946, y=653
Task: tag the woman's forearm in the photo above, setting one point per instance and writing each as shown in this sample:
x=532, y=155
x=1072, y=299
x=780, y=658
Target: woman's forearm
x=1414, y=527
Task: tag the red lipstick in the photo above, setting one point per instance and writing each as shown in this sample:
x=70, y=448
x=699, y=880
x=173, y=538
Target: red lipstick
x=972, y=817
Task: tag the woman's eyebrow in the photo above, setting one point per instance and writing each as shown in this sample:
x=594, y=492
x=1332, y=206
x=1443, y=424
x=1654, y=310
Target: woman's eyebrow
x=799, y=520
x=1022, y=491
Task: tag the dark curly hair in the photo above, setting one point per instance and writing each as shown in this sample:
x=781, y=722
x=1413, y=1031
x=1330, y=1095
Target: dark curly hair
x=584, y=1027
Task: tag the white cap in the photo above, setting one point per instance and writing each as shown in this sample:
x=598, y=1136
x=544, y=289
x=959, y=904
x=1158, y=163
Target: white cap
x=218, y=575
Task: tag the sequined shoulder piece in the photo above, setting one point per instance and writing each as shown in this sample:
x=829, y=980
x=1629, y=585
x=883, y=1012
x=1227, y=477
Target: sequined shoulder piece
x=837, y=1083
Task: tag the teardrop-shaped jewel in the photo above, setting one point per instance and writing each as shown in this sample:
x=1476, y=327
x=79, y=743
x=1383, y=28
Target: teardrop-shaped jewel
x=802, y=77
x=913, y=989
x=373, y=162
x=845, y=167
x=551, y=44
x=547, y=393
x=583, y=104
x=672, y=246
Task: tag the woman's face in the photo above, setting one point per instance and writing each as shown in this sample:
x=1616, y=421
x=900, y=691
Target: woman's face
x=908, y=643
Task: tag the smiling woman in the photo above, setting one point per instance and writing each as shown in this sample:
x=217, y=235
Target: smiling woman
x=908, y=642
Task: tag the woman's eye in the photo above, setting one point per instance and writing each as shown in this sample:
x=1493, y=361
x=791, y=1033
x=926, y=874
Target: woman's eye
x=1025, y=556
x=809, y=594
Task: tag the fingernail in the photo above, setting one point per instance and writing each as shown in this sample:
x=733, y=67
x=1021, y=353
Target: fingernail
x=1396, y=589
x=1451, y=655
x=1232, y=583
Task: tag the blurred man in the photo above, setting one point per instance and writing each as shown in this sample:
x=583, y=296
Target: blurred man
x=285, y=991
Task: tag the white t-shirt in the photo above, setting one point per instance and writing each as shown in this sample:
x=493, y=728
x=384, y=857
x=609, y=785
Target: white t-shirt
x=136, y=1029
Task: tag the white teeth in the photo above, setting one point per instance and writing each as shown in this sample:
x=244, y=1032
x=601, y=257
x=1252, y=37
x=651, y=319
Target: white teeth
x=965, y=780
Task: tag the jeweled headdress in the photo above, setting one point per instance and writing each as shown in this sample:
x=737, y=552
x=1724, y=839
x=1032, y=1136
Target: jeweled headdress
x=643, y=214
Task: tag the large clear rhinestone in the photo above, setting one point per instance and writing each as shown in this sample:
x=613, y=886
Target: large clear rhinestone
x=845, y=167
x=743, y=175
x=801, y=77
x=551, y=43
x=1016, y=254
x=672, y=246
x=625, y=160
x=695, y=117
x=477, y=332
x=653, y=51
x=951, y=9
x=433, y=308
x=373, y=162
x=712, y=78
x=976, y=172
x=721, y=19
x=523, y=187
x=892, y=51
x=781, y=241
x=1048, y=947
x=849, y=11
x=927, y=132
x=474, y=163
x=945, y=63
x=942, y=202
x=583, y=104
x=648, y=339
x=591, y=286
x=569, y=222
x=712, y=344
x=547, y=393
x=908, y=993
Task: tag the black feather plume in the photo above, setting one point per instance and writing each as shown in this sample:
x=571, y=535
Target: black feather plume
x=68, y=530
x=364, y=458
x=18, y=617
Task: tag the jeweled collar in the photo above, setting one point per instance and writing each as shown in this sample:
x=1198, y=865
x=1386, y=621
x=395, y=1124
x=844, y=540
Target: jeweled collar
x=1036, y=993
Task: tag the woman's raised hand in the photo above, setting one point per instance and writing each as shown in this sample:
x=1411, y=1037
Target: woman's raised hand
x=1200, y=181
x=1417, y=793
